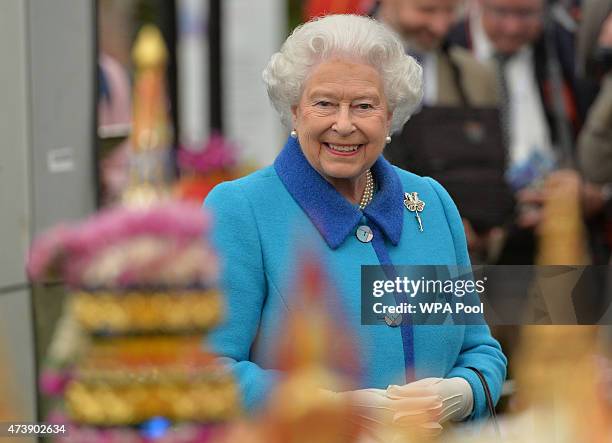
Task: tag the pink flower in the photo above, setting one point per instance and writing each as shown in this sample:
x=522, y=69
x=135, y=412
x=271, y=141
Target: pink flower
x=69, y=250
x=218, y=153
x=53, y=382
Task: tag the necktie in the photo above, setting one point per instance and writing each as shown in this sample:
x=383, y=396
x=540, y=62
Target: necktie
x=504, y=96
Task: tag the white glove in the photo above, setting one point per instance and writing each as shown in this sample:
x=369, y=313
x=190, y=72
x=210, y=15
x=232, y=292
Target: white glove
x=386, y=418
x=372, y=411
x=454, y=398
x=420, y=406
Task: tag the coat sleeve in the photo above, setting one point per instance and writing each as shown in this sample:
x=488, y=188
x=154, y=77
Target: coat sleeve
x=479, y=349
x=236, y=239
x=595, y=141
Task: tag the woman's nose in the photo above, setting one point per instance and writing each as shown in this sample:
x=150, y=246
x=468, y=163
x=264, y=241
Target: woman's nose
x=344, y=123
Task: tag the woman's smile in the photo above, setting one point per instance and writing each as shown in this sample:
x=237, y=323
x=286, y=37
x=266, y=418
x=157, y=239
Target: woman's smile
x=343, y=150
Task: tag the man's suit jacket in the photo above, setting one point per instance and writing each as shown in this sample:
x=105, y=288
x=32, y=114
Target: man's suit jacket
x=460, y=35
x=477, y=79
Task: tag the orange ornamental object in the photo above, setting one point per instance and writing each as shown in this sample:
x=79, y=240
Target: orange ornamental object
x=313, y=335
x=312, y=350
x=195, y=188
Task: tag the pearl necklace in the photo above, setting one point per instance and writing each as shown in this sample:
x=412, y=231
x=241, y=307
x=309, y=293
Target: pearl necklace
x=368, y=192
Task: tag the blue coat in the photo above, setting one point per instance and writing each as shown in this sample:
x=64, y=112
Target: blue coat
x=262, y=221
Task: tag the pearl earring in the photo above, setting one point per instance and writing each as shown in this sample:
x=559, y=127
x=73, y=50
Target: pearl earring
x=388, y=139
x=293, y=133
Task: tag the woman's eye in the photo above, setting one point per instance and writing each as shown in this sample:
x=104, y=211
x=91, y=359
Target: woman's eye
x=323, y=104
x=364, y=106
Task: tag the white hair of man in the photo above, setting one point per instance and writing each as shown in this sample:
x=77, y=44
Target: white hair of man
x=349, y=37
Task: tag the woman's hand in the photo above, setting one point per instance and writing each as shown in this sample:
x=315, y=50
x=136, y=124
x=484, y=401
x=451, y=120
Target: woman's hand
x=429, y=402
x=384, y=418
x=372, y=411
x=415, y=408
x=418, y=408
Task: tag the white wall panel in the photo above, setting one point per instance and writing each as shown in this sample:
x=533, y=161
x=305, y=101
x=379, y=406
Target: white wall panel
x=14, y=143
x=47, y=81
x=62, y=72
x=252, y=32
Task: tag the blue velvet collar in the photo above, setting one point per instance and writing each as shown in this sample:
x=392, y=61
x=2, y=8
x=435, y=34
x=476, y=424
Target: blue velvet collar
x=334, y=216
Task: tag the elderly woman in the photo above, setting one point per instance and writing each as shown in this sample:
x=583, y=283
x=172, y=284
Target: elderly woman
x=342, y=84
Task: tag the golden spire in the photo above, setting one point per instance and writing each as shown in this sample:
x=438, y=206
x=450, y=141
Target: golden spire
x=151, y=129
x=149, y=50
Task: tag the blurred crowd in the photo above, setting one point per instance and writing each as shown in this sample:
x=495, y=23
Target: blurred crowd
x=518, y=101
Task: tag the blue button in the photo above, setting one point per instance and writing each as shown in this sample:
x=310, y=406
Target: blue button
x=393, y=320
x=364, y=234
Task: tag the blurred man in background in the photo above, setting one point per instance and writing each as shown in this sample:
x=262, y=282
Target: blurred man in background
x=423, y=26
x=459, y=104
x=532, y=46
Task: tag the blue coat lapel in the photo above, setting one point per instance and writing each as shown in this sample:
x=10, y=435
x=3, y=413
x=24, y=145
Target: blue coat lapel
x=334, y=217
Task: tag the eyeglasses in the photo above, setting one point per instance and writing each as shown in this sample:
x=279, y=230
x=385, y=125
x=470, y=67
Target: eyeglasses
x=522, y=14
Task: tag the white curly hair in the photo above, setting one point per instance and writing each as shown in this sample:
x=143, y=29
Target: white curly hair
x=344, y=36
